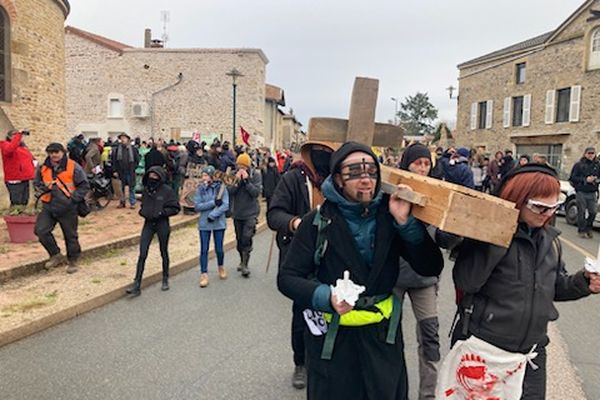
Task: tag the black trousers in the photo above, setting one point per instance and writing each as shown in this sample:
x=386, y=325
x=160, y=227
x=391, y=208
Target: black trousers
x=162, y=229
x=18, y=193
x=534, y=385
x=245, y=229
x=298, y=325
x=44, y=225
x=363, y=365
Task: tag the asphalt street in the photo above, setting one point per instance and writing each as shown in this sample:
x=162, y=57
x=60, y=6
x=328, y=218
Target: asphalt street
x=228, y=341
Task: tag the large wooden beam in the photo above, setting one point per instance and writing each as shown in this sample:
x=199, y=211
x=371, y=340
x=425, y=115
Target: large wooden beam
x=335, y=130
x=361, y=125
x=459, y=210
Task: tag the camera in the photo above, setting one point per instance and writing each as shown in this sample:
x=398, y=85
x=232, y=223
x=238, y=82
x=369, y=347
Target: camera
x=25, y=132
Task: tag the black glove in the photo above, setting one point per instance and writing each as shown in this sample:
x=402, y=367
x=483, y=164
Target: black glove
x=211, y=219
x=218, y=202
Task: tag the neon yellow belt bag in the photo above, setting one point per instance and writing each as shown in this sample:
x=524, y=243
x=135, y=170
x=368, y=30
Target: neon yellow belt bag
x=366, y=317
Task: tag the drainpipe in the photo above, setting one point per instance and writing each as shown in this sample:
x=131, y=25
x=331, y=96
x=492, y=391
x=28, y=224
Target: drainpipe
x=179, y=79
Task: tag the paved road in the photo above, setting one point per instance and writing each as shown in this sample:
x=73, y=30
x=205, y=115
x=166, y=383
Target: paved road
x=228, y=341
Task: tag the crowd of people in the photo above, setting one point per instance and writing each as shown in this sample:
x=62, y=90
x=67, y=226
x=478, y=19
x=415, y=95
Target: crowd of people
x=331, y=218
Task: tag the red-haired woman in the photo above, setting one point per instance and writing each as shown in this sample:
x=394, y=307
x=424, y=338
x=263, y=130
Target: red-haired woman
x=508, y=294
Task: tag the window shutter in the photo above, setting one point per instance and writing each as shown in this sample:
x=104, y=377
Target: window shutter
x=574, y=110
x=489, y=117
x=550, y=96
x=526, y=110
x=473, y=116
x=506, y=114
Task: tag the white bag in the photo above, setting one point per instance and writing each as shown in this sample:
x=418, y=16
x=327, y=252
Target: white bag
x=477, y=370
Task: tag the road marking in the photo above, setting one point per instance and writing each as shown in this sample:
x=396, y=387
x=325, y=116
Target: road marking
x=577, y=248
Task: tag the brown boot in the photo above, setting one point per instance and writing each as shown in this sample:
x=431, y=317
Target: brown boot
x=222, y=273
x=72, y=267
x=203, y=280
x=54, y=261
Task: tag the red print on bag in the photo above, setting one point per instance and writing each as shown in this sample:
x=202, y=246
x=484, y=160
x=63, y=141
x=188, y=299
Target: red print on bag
x=474, y=378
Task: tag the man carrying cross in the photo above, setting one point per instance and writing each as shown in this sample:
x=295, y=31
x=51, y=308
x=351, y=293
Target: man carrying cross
x=359, y=353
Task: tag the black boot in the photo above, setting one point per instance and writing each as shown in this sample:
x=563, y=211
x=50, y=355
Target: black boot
x=245, y=260
x=165, y=283
x=134, y=290
x=239, y=268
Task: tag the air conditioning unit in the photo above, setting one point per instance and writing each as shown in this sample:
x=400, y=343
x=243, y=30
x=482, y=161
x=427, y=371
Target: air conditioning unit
x=140, y=110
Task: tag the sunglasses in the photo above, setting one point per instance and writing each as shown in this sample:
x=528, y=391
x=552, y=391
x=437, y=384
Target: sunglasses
x=537, y=207
x=359, y=170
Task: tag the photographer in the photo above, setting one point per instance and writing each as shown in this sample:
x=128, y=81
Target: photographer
x=18, y=167
x=60, y=184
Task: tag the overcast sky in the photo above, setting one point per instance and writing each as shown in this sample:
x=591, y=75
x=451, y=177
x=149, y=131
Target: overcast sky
x=317, y=47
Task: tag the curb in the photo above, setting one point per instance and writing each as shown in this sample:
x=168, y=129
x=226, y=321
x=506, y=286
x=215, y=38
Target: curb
x=48, y=321
x=34, y=267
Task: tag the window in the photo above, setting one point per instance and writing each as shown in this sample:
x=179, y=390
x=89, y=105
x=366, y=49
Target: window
x=563, y=105
x=482, y=114
x=594, y=62
x=115, y=108
x=520, y=73
x=5, y=93
x=552, y=152
x=517, y=114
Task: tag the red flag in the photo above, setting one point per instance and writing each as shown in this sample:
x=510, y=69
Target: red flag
x=245, y=136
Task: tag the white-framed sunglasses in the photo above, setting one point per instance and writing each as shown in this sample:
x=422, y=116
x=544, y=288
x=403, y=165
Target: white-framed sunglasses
x=538, y=207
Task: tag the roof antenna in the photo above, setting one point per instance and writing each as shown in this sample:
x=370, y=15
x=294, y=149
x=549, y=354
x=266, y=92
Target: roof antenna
x=165, y=17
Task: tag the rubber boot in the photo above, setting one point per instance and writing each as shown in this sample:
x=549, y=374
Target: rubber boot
x=245, y=260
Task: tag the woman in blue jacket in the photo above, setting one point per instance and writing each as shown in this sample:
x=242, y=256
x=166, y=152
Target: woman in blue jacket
x=212, y=201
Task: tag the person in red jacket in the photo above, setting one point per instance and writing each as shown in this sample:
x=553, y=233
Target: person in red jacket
x=18, y=168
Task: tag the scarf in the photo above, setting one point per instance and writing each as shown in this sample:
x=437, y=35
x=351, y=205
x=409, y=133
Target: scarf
x=315, y=178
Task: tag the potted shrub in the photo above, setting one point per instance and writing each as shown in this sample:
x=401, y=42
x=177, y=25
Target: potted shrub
x=20, y=222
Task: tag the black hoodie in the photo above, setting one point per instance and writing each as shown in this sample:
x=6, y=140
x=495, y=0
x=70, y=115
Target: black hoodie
x=160, y=202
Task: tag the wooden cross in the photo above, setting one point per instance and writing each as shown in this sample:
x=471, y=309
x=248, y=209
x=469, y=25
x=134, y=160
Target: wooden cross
x=450, y=207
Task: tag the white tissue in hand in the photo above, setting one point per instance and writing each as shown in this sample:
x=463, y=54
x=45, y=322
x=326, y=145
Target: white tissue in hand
x=346, y=290
x=592, y=265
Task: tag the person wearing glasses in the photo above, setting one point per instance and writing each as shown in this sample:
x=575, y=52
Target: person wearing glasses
x=507, y=295
x=584, y=178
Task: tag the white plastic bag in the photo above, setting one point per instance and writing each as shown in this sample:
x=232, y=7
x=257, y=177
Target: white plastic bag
x=477, y=370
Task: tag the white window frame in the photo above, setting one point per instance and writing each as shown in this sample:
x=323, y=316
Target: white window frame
x=526, y=110
x=549, y=113
x=109, y=101
x=489, y=108
x=474, y=112
x=506, y=116
x=575, y=106
x=594, y=58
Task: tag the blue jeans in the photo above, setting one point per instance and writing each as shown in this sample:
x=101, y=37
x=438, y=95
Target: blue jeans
x=128, y=180
x=205, y=243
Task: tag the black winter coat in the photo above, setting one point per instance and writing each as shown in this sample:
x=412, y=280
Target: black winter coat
x=289, y=200
x=581, y=170
x=161, y=203
x=271, y=178
x=295, y=275
x=513, y=290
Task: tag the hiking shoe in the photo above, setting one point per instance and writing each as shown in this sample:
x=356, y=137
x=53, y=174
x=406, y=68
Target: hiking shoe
x=54, y=261
x=582, y=235
x=72, y=267
x=222, y=273
x=299, y=377
x=245, y=271
x=134, y=290
x=165, y=285
x=203, y=280
x=132, y=206
x=590, y=235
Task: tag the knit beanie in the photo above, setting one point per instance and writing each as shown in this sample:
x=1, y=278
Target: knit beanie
x=412, y=154
x=209, y=170
x=338, y=156
x=527, y=168
x=244, y=160
x=463, y=152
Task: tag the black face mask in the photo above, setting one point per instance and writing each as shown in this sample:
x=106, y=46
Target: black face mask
x=153, y=184
x=320, y=160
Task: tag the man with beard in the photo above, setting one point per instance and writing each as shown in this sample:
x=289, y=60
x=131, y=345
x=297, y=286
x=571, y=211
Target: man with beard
x=298, y=192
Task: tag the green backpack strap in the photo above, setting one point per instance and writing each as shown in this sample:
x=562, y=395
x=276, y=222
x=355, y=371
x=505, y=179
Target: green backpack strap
x=321, y=223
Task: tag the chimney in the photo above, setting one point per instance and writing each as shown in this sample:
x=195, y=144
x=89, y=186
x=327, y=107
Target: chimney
x=147, y=38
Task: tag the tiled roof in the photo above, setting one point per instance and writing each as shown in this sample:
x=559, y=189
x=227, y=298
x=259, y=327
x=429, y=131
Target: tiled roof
x=101, y=40
x=521, y=46
x=275, y=94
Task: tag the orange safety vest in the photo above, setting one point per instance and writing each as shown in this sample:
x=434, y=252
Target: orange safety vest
x=66, y=183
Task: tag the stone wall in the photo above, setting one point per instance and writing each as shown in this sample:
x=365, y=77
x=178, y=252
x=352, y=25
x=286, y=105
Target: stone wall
x=37, y=72
x=560, y=65
x=202, y=101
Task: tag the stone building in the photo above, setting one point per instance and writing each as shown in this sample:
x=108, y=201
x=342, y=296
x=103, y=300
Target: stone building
x=274, y=98
x=541, y=95
x=32, y=72
x=159, y=92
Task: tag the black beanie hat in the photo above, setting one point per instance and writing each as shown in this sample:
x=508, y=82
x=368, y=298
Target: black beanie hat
x=52, y=147
x=345, y=150
x=412, y=154
x=527, y=168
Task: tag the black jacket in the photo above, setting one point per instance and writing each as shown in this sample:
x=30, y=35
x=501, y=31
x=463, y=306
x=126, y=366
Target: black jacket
x=244, y=196
x=271, y=178
x=581, y=170
x=121, y=162
x=295, y=275
x=513, y=290
x=161, y=203
x=289, y=200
